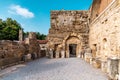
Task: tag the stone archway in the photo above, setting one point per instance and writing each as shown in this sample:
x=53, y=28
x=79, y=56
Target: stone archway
x=72, y=41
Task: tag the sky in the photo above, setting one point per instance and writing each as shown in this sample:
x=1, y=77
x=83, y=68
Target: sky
x=34, y=15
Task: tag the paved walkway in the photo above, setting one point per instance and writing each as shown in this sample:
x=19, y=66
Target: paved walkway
x=54, y=69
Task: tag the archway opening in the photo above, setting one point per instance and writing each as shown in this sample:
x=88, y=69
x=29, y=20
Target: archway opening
x=72, y=50
x=72, y=46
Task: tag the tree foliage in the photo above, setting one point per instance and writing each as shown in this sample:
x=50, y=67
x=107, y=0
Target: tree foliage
x=38, y=35
x=9, y=29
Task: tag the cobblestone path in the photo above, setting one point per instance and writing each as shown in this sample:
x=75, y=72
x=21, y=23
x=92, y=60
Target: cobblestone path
x=54, y=69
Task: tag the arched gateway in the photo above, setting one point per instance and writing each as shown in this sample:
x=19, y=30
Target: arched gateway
x=72, y=45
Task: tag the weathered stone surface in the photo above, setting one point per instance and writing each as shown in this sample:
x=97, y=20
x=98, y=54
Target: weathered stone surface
x=57, y=55
x=68, y=27
x=88, y=56
x=104, y=34
x=105, y=31
x=20, y=35
x=62, y=54
x=104, y=66
x=51, y=53
x=96, y=63
x=113, y=66
x=16, y=50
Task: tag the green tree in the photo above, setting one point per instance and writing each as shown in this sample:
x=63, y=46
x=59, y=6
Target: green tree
x=40, y=36
x=9, y=29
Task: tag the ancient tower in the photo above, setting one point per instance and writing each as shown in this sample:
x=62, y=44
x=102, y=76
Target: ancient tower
x=69, y=31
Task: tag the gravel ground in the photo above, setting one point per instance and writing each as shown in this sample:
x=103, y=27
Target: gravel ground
x=54, y=69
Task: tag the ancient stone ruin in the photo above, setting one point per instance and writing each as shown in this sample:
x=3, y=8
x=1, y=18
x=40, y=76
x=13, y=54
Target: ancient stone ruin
x=93, y=35
x=97, y=31
x=13, y=52
x=68, y=33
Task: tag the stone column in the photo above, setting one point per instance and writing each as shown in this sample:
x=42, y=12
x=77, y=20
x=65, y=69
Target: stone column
x=119, y=69
x=67, y=54
x=51, y=53
x=88, y=55
x=57, y=54
x=62, y=54
x=21, y=35
x=104, y=66
x=113, y=67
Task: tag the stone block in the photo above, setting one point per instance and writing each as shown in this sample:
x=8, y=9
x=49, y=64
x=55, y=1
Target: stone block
x=113, y=68
x=96, y=63
x=28, y=56
x=88, y=56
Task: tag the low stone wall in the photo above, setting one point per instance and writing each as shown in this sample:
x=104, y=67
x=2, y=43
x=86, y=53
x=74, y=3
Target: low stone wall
x=9, y=62
x=15, y=51
x=111, y=67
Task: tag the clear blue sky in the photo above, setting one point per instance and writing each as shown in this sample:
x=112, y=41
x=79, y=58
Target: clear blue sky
x=34, y=15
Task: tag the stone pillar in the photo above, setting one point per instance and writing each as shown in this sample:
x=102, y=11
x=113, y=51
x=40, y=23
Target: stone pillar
x=67, y=54
x=51, y=53
x=67, y=51
x=113, y=67
x=104, y=66
x=57, y=54
x=62, y=54
x=88, y=55
x=119, y=70
x=21, y=35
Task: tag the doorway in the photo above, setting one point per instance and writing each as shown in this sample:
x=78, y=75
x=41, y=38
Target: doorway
x=72, y=50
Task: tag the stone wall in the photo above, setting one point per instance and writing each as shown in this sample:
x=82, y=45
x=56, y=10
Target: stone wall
x=14, y=51
x=66, y=24
x=104, y=32
x=98, y=7
x=104, y=36
x=63, y=23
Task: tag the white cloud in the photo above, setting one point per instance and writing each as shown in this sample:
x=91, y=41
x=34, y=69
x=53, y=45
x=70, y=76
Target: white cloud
x=17, y=9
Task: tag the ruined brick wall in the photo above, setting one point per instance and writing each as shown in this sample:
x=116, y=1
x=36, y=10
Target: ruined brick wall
x=10, y=52
x=33, y=44
x=13, y=51
x=105, y=32
x=63, y=23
